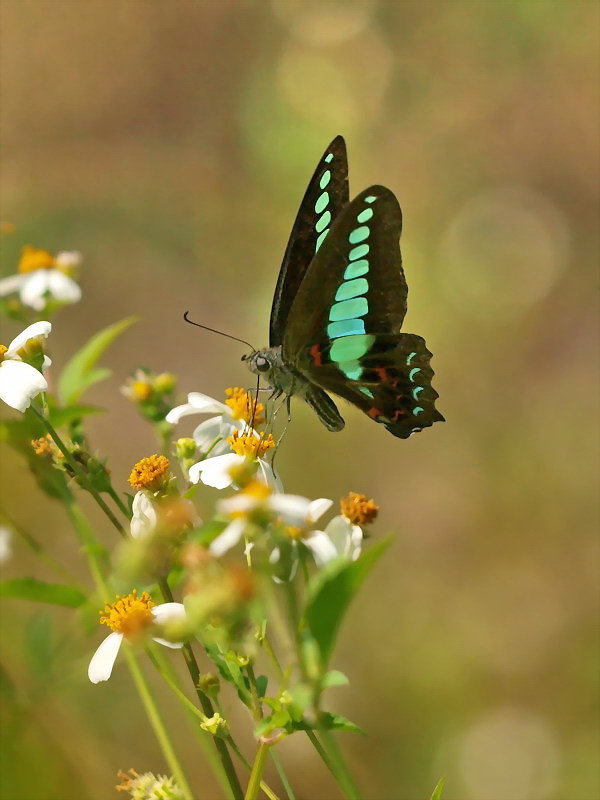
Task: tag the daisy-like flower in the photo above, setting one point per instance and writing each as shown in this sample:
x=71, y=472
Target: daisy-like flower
x=128, y=618
x=257, y=500
x=235, y=414
x=152, y=505
x=219, y=471
x=19, y=381
x=42, y=276
x=345, y=531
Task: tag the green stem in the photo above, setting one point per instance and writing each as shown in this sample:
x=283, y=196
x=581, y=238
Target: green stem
x=205, y=702
x=119, y=503
x=256, y=701
x=257, y=771
x=85, y=482
x=283, y=777
x=87, y=540
x=157, y=724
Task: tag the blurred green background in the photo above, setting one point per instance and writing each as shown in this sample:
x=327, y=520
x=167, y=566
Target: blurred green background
x=171, y=143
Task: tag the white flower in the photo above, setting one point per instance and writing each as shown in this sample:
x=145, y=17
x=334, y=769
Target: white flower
x=216, y=472
x=41, y=277
x=231, y=416
x=294, y=510
x=345, y=537
x=103, y=660
x=20, y=382
x=144, y=516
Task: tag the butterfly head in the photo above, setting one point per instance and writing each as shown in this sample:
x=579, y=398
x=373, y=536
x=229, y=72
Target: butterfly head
x=259, y=362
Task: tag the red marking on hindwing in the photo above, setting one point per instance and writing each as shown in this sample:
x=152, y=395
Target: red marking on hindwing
x=374, y=413
x=316, y=354
x=382, y=372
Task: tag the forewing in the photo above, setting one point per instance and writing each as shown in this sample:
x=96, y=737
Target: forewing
x=355, y=283
x=325, y=196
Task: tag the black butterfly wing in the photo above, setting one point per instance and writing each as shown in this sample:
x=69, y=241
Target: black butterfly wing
x=343, y=330
x=390, y=382
x=326, y=195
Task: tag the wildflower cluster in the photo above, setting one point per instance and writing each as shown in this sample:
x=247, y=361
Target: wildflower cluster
x=251, y=556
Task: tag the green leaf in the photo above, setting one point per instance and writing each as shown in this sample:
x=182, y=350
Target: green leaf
x=331, y=722
x=65, y=416
x=334, y=678
x=261, y=685
x=437, y=792
x=330, y=593
x=80, y=372
x=31, y=589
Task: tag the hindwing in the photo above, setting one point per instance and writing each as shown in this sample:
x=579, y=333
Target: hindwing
x=386, y=376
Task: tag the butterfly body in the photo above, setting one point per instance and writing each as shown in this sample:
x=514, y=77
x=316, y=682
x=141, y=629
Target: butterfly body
x=339, y=303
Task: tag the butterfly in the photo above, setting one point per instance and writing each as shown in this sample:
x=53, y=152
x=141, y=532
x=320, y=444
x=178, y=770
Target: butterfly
x=338, y=307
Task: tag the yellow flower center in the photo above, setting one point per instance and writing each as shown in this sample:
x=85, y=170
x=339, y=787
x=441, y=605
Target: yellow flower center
x=242, y=405
x=150, y=473
x=33, y=259
x=248, y=445
x=3, y=349
x=129, y=614
x=293, y=532
x=257, y=489
x=140, y=390
x=358, y=509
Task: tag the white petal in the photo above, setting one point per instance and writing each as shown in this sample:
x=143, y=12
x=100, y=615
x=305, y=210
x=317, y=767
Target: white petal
x=63, y=288
x=104, y=658
x=292, y=507
x=239, y=504
x=144, y=519
x=5, y=545
x=47, y=363
x=34, y=331
x=33, y=289
x=197, y=404
x=340, y=532
x=317, y=508
x=215, y=471
x=11, y=284
x=167, y=643
x=20, y=383
x=321, y=546
x=206, y=433
x=266, y=475
x=228, y=539
x=167, y=612
x=67, y=259
x=356, y=540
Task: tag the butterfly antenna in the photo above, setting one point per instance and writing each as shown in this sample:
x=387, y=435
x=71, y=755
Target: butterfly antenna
x=214, y=330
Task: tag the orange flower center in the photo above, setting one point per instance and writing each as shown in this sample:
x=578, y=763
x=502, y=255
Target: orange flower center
x=358, y=508
x=150, y=473
x=33, y=259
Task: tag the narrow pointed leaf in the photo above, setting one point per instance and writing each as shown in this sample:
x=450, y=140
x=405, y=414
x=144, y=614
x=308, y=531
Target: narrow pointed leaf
x=330, y=593
x=437, y=792
x=57, y=594
x=81, y=372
